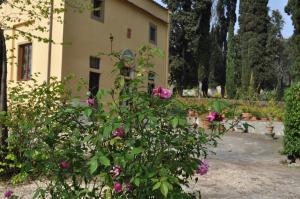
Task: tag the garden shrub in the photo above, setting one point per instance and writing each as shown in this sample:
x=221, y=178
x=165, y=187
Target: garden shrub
x=292, y=122
x=136, y=146
x=31, y=105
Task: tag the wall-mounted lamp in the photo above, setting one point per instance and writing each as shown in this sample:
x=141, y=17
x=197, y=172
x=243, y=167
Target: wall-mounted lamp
x=111, y=38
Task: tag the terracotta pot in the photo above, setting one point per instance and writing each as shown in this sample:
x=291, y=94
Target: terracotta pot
x=206, y=124
x=246, y=116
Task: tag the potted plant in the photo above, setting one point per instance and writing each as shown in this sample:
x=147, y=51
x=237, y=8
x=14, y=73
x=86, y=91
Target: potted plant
x=246, y=127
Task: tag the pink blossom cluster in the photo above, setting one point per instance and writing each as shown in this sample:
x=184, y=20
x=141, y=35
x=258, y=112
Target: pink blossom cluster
x=90, y=101
x=162, y=93
x=202, y=168
x=116, y=171
x=214, y=116
x=8, y=194
x=119, y=132
x=64, y=165
x=119, y=188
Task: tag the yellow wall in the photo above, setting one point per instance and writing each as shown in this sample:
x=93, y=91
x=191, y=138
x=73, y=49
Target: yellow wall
x=39, y=49
x=89, y=37
x=84, y=37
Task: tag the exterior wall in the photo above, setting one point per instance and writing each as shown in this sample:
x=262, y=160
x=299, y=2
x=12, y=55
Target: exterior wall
x=86, y=37
x=39, y=49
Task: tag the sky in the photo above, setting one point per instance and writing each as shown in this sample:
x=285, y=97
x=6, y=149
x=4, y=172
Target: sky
x=277, y=4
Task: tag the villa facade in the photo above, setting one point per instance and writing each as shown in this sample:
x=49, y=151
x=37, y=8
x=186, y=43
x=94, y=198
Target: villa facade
x=111, y=25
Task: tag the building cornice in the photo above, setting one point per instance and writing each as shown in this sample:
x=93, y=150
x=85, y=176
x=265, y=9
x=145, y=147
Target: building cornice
x=164, y=12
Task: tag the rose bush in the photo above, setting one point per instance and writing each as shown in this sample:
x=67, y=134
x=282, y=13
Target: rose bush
x=136, y=146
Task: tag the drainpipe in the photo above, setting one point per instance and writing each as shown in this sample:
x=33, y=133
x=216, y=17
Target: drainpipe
x=50, y=41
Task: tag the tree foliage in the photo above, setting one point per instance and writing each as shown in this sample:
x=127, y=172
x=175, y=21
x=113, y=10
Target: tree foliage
x=292, y=122
x=293, y=9
x=253, y=32
x=189, y=42
x=277, y=57
x=230, y=70
x=226, y=16
x=203, y=10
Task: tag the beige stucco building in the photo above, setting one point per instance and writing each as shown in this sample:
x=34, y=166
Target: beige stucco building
x=109, y=25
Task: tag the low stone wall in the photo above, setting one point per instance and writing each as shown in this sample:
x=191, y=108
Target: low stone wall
x=260, y=127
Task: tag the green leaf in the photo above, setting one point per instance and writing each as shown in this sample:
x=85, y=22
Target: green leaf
x=156, y=186
x=87, y=138
x=107, y=131
x=93, y=164
x=39, y=193
x=182, y=122
x=11, y=157
x=175, y=122
x=164, y=189
x=136, y=151
x=108, y=194
x=101, y=93
x=88, y=112
x=104, y=160
x=129, y=156
x=137, y=182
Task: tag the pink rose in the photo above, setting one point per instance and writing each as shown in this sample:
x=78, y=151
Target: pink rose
x=118, y=187
x=162, y=93
x=214, y=116
x=90, y=101
x=202, y=168
x=8, y=193
x=64, y=165
x=116, y=171
x=119, y=132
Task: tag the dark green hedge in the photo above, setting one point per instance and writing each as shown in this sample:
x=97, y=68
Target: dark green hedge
x=292, y=122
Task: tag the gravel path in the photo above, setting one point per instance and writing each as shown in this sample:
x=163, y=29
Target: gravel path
x=246, y=166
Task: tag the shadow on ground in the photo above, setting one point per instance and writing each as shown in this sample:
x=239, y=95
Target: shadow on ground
x=247, y=166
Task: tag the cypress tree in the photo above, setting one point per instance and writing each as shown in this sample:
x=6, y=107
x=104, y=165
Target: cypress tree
x=254, y=32
x=225, y=12
x=182, y=58
x=293, y=9
x=275, y=49
x=221, y=39
x=189, y=42
x=230, y=77
x=202, y=41
x=231, y=56
x=216, y=62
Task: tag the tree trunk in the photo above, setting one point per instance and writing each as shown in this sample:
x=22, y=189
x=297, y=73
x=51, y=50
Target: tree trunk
x=3, y=88
x=205, y=87
x=223, y=91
